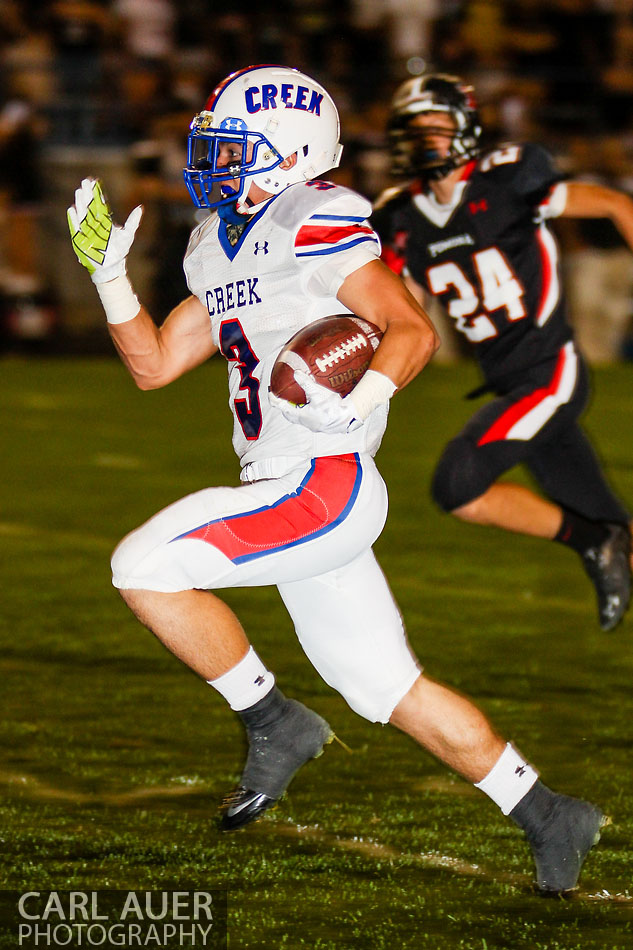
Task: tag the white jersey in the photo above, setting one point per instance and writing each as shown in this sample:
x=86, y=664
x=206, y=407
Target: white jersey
x=282, y=274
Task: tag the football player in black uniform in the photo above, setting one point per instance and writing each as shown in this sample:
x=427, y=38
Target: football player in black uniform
x=470, y=227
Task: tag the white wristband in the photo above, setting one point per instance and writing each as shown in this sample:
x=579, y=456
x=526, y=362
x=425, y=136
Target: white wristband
x=372, y=391
x=119, y=300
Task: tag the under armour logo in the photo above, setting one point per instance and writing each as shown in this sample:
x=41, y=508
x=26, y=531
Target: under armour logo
x=475, y=206
x=261, y=247
x=520, y=770
x=259, y=681
x=233, y=124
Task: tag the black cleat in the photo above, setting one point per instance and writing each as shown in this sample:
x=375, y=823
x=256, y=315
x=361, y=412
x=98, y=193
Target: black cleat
x=609, y=569
x=242, y=806
x=563, y=842
x=275, y=754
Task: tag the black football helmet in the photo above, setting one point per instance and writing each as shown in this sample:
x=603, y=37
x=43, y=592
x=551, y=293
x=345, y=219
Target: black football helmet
x=412, y=152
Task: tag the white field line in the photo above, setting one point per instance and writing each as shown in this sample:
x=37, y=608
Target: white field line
x=371, y=848
x=367, y=846
x=35, y=789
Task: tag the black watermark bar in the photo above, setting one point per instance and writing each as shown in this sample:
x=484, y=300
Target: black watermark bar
x=114, y=920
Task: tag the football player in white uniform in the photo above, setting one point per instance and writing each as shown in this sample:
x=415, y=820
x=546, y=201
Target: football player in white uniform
x=280, y=249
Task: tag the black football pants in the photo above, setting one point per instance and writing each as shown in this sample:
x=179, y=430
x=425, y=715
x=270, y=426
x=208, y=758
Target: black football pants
x=559, y=455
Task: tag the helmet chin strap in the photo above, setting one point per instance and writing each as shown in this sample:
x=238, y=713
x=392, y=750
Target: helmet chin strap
x=442, y=171
x=234, y=212
x=229, y=211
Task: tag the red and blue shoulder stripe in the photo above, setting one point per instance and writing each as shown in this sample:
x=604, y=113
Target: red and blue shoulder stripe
x=330, y=233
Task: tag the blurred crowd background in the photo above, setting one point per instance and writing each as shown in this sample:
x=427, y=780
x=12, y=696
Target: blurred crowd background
x=109, y=88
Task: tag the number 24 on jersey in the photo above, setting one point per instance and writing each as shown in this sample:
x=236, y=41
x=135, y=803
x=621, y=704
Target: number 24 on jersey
x=500, y=288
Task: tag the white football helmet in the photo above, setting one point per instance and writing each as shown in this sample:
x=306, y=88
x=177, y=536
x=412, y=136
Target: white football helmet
x=253, y=120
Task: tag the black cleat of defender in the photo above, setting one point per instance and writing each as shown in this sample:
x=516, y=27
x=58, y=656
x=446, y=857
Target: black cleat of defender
x=609, y=569
x=274, y=756
x=563, y=842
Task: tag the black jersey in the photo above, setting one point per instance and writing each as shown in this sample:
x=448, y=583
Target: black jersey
x=489, y=257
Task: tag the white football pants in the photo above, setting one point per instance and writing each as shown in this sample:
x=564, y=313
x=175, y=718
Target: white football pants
x=309, y=532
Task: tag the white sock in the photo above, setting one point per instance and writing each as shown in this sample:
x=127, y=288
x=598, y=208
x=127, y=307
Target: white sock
x=508, y=780
x=245, y=683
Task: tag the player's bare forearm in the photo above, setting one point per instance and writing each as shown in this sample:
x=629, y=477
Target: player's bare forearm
x=409, y=340
x=408, y=344
x=585, y=200
x=137, y=342
x=155, y=356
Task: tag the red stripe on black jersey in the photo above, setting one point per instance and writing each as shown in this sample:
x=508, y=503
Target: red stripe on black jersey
x=395, y=261
x=468, y=169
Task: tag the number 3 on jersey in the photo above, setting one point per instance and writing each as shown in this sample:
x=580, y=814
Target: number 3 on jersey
x=499, y=288
x=235, y=348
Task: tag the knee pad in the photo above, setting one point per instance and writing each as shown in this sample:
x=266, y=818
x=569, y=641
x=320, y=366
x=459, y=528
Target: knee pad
x=127, y=556
x=462, y=474
x=378, y=705
x=143, y=561
x=139, y=561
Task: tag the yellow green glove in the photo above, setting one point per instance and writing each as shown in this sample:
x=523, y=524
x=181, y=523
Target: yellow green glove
x=100, y=245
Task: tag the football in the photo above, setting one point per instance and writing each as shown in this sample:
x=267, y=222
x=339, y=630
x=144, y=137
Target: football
x=335, y=351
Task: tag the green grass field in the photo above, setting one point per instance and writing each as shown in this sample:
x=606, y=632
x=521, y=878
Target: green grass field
x=114, y=756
